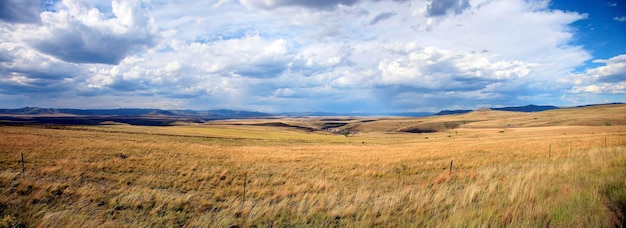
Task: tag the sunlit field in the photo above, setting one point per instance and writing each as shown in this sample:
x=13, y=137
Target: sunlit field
x=561, y=168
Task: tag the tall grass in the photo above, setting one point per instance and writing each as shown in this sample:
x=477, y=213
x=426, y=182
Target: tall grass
x=179, y=176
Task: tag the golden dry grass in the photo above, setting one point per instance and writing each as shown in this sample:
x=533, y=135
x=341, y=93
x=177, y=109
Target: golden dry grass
x=128, y=176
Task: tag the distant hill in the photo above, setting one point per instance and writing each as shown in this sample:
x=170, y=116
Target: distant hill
x=30, y=111
x=133, y=112
x=408, y=114
x=232, y=113
x=452, y=112
x=226, y=113
x=301, y=114
x=404, y=114
x=596, y=115
x=591, y=105
x=527, y=108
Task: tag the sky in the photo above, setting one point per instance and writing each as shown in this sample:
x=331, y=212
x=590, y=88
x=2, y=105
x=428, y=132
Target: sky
x=345, y=56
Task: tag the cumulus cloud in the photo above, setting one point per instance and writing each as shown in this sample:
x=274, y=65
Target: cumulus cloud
x=613, y=71
x=607, y=79
x=425, y=77
x=250, y=56
x=24, y=70
x=80, y=33
x=436, y=69
x=287, y=55
x=221, y=71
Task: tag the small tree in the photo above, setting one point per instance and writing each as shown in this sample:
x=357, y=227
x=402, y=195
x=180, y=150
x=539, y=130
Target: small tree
x=345, y=132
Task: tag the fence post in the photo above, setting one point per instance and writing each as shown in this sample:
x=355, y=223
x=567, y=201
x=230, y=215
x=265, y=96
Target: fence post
x=550, y=151
x=451, y=166
x=23, y=167
x=245, y=179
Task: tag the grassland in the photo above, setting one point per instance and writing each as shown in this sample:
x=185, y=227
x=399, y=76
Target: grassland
x=560, y=168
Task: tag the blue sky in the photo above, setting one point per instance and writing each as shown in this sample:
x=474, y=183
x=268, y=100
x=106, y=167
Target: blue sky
x=331, y=55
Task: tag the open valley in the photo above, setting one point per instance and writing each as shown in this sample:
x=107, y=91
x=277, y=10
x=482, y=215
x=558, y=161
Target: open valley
x=558, y=168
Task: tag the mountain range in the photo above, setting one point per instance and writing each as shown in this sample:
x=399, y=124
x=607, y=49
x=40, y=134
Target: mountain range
x=225, y=113
x=527, y=108
x=132, y=112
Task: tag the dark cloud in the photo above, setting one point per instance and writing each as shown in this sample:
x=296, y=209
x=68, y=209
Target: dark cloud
x=302, y=68
x=305, y=71
x=441, y=83
x=184, y=95
x=318, y=4
x=126, y=85
x=34, y=83
x=399, y=98
x=35, y=68
x=83, y=44
x=613, y=78
x=91, y=38
x=441, y=7
x=34, y=86
x=473, y=83
x=262, y=70
x=49, y=75
x=381, y=17
x=5, y=57
x=91, y=92
x=19, y=11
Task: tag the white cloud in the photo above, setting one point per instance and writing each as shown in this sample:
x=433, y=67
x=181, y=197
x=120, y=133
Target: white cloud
x=613, y=71
x=81, y=33
x=172, y=67
x=607, y=79
x=602, y=88
x=432, y=70
x=269, y=55
x=515, y=31
x=620, y=19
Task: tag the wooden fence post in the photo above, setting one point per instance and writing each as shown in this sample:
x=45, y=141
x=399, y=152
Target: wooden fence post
x=23, y=167
x=550, y=151
x=451, y=166
x=245, y=179
x=324, y=186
